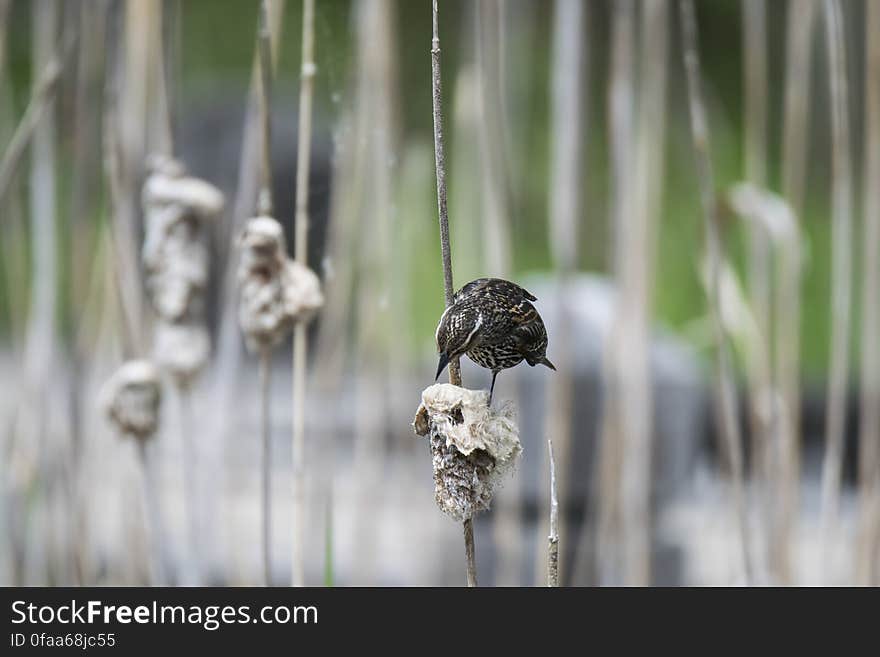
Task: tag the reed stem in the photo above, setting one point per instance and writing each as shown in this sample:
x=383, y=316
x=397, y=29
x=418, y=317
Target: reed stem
x=300, y=337
x=445, y=250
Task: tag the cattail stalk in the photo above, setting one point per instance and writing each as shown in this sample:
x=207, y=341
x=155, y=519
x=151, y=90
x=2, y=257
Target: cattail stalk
x=754, y=35
x=841, y=273
x=158, y=576
x=303, y=160
x=553, y=537
x=265, y=208
x=490, y=135
x=228, y=352
x=725, y=389
x=265, y=432
x=611, y=444
x=566, y=181
x=445, y=250
x=635, y=302
x=868, y=557
x=801, y=17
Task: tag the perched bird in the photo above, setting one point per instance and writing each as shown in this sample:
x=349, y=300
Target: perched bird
x=494, y=323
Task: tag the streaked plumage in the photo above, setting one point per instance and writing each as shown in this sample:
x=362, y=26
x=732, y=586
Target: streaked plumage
x=494, y=323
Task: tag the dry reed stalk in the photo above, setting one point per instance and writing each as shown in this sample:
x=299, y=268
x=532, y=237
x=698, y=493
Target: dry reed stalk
x=760, y=377
x=635, y=310
x=553, y=537
x=609, y=555
x=303, y=161
x=85, y=236
x=868, y=556
x=265, y=208
x=725, y=389
x=158, y=576
x=445, y=251
x=266, y=465
x=494, y=191
x=227, y=361
x=490, y=135
x=801, y=17
x=566, y=180
x=773, y=219
x=841, y=275
x=42, y=101
x=41, y=347
x=376, y=91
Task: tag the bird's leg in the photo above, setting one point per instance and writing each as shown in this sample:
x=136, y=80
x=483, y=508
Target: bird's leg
x=492, y=387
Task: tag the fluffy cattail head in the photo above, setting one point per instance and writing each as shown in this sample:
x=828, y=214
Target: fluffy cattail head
x=174, y=254
x=131, y=399
x=473, y=446
x=276, y=292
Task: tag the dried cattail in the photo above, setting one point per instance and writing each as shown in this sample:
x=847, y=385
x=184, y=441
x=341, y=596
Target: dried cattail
x=131, y=399
x=276, y=292
x=473, y=446
x=174, y=254
x=175, y=258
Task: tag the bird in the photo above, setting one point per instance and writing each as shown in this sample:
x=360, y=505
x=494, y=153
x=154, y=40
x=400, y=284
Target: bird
x=494, y=323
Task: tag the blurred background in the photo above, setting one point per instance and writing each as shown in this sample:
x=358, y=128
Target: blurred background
x=716, y=410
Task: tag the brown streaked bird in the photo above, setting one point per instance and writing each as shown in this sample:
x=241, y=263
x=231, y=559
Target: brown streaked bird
x=493, y=322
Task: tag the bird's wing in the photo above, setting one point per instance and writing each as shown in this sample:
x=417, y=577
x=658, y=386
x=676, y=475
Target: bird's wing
x=508, y=317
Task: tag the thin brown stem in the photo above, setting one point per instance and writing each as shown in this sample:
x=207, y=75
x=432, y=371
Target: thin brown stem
x=265, y=205
x=440, y=165
x=445, y=250
x=470, y=558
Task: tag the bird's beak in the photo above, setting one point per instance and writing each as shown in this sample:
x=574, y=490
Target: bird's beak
x=444, y=359
x=548, y=364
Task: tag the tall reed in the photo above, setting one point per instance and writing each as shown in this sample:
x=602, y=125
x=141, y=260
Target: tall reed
x=303, y=164
x=621, y=128
x=754, y=45
x=795, y=142
x=841, y=274
x=569, y=121
x=637, y=292
x=725, y=390
x=445, y=250
x=868, y=557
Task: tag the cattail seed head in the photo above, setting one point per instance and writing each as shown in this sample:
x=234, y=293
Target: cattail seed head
x=275, y=292
x=131, y=398
x=473, y=446
x=175, y=257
